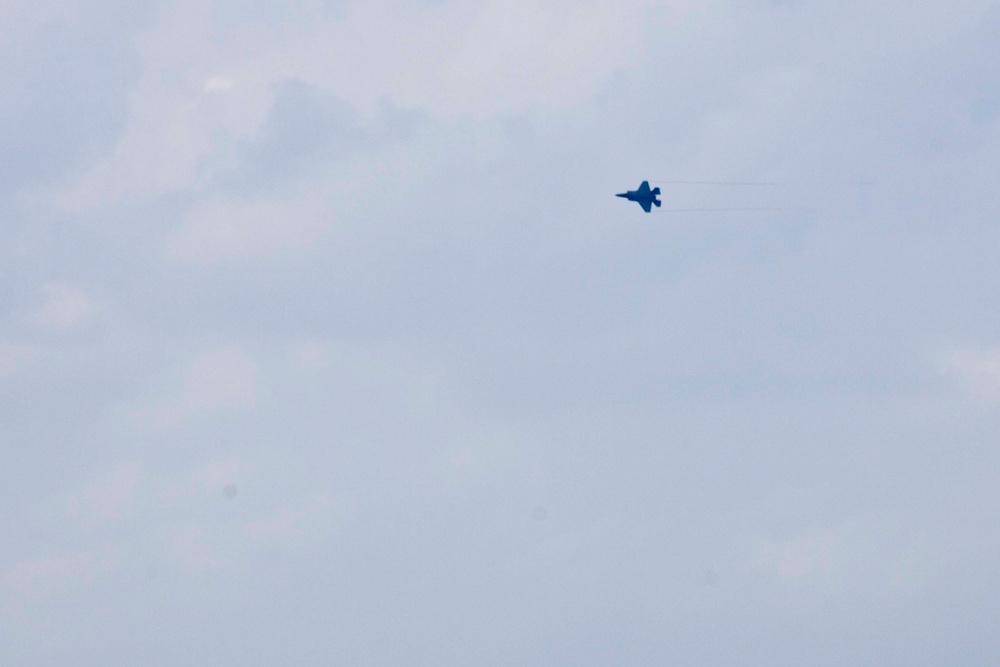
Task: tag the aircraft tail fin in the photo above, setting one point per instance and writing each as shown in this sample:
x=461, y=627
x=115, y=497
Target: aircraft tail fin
x=656, y=191
x=657, y=202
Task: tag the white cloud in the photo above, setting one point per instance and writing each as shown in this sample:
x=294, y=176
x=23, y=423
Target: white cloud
x=218, y=84
x=812, y=554
x=311, y=354
x=869, y=553
x=221, y=379
x=374, y=378
x=214, y=475
x=483, y=329
x=501, y=57
x=225, y=228
x=291, y=522
x=450, y=60
x=65, y=306
x=189, y=544
x=38, y=578
x=177, y=118
x=14, y=356
x=978, y=371
x=207, y=479
x=111, y=498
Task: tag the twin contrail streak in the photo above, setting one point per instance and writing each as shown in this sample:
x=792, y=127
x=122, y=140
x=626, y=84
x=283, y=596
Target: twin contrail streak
x=705, y=210
x=718, y=182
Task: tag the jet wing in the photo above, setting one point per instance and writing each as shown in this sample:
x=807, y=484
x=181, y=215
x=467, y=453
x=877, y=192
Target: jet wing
x=646, y=205
x=644, y=188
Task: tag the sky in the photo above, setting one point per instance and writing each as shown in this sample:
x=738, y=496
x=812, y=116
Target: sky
x=324, y=341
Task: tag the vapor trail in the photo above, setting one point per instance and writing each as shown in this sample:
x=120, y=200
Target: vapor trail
x=703, y=210
x=784, y=183
x=718, y=182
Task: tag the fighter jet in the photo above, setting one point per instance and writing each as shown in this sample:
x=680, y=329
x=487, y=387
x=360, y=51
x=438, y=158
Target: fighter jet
x=645, y=197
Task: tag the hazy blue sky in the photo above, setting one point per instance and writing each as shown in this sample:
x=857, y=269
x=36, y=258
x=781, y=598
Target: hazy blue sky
x=324, y=340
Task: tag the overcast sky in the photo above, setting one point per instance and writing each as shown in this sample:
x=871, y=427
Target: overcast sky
x=324, y=341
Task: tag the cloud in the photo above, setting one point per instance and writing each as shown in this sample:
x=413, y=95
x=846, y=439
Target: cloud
x=293, y=522
x=183, y=116
x=223, y=379
x=203, y=481
x=67, y=73
x=219, y=84
x=304, y=127
x=977, y=370
x=503, y=57
x=362, y=261
x=14, y=356
x=113, y=498
x=380, y=382
x=190, y=545
x=278, y=190
x=65, y=306
x=867, y=553
x=450, y=59
x=227, y=228
x=36, y=579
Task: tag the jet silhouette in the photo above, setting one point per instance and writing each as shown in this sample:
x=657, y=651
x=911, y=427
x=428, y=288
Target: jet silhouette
x=645, y=197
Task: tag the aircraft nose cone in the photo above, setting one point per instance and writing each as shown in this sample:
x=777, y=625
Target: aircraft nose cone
x=622, y=194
